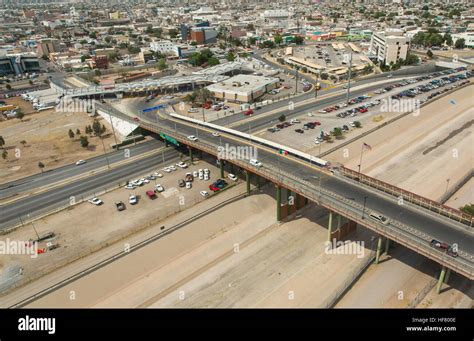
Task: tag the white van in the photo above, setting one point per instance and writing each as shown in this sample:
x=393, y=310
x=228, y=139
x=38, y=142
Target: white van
x=380, y=218
x=255, y=162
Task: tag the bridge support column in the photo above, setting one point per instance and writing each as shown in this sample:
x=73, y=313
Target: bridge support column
x=247, y=178
x=330, y=226
x=259, y=185
x=441, y=280
x=190, y=154
x=221, y=165
x=278, y=197
x=387, y=246
x=446, y=278
x=338, y=221
x=379, y=250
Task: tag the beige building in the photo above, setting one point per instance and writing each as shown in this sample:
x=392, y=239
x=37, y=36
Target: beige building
x=243, y=88
x=47, y=46
x=389, y=46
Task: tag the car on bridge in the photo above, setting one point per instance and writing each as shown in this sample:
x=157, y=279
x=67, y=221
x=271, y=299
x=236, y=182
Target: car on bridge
x=255, y=162
x=248, y=112
x=192, y=138
x=449, y=249
x=380, y=218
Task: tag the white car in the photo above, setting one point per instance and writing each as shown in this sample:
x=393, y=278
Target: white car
x=216, y=134
x=172, y=168
x=96, y=201
x=206, y=176
x=189, y=184
x=255, y=163
x=159, y=188
x=204, y=194
x=144, y=180
x=158, y=175
x=167, y=170
x=206, y=171
x=201, y=174
x=182, y=164
x=192, y=110
x=195, y=174
x=130, y=186
x=352, y=124
x=316, y=141
x=132, y=199
x=80, y=162
x=232, y=177
x=192, y=138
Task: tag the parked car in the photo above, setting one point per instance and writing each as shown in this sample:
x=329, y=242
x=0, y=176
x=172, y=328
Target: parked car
x=151, y=194
x=181, y=183
x=232, y=177
x=120, y=206
x=96, y=201
x=80, y=162
x=204, y=194
x=189, y=184
x=248, y=112
x=159, y=188
x=132, y=199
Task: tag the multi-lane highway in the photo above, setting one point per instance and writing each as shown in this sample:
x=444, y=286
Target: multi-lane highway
x=59, y=174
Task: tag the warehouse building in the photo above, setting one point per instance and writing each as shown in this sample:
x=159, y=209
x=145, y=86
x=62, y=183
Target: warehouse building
x=243, y=88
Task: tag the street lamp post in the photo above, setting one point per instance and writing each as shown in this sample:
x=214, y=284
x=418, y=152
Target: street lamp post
x=363, y=210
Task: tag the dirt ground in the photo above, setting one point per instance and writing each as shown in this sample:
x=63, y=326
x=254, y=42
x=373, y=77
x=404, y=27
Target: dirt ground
x=78, y=229
x=464, y=196
x=47, y=141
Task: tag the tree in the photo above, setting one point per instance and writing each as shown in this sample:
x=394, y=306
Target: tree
x=299, y=40
x=93, y=35
x=103, y=129
x=468, y=208
x=2, y=141
x=4, y=154
x=41, y=166
x=203, y=95
x=429, y=54
x=162, y=64
x=31, y=82
x=337, y=132
x=324, y=76
x=20, y=114
x=97, y=72
x=84, y=141
x=448, y=39
x=23, y=143
x=278, y=39
x=357, y=124
x=230, y=57
x=78, y=132
x=173, y=33
x=96, y=128
x=8, y=86
x=411, y=59
x=71, y=134
x=460, y=43
x=213, y=61
x=282, y=118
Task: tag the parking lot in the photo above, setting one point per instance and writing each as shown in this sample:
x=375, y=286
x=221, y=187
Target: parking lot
x=78, y=230
x=362, y=113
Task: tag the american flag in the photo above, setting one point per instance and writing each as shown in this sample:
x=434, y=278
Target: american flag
x=366, y=146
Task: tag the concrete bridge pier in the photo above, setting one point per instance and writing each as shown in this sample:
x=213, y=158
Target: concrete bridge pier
x=330, y=226
x=278, y=198
x=247, y=179
x=221, y=165
x=379, y=250
x=441, y=279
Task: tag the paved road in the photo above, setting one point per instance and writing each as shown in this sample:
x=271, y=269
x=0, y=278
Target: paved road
x=423, y=221
x=30, y=183
x=60, y=196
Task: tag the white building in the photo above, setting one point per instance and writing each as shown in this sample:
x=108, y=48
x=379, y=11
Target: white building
x=467, y=36
x=276, y=14
x=165, y=47
x=389, y=46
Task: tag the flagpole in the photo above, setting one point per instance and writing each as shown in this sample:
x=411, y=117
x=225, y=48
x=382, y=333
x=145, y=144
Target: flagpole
x=360, y=161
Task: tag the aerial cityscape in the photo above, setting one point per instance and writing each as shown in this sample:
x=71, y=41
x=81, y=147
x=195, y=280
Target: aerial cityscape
x=236, y=154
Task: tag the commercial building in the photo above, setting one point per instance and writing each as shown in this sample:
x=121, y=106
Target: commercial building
x=204, y=35
x=467, y=36
x=389, y=46
x=165, y=47
x=100, y=62
x=17, y=64
x=47, y=46
x=243, y=88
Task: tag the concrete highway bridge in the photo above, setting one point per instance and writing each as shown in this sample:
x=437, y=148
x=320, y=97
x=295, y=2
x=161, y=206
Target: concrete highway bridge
x=349, y=196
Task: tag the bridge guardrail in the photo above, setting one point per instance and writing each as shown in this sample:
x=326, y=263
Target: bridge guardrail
x=396, y=231
x=411, y=197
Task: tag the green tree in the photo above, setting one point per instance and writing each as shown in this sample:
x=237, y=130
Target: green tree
x=162, y=64
x=2, y=142
x=173, y=33
x=337, y=132
x=4, y=154
x=78, y=132
x=429, y=54
x=448, y=39
x=460, y=43
x=71, y=134
x=96, y=128
x=282, y=118
x=230, y=57
x=20, y=114
x=299, y=40
x=468, y=208
x=84, y=141
x=93, y=35
x=41, y=166
x=278, y=39
x=8, y=86
x=357, y=124
x=97, y=72
x=324, y=76
x=213, y=61
x=103, y=129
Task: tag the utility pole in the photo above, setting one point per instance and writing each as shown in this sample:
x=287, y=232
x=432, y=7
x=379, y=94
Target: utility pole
x=349, y=79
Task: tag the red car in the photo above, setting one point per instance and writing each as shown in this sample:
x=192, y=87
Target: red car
x=206, y=105
x=362, y=110
x=317, y=123
x=213, y=188
x=248, y=112
x=151, y=194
